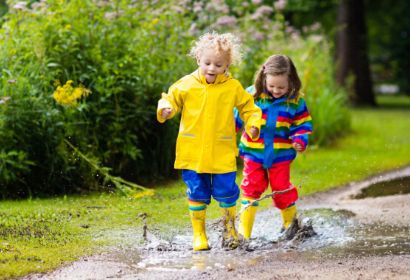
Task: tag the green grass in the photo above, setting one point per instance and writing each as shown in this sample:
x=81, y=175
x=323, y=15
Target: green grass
x=42, y=234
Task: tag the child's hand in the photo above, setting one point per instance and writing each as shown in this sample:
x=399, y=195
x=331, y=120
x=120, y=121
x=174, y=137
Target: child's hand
x=253, y=131
x=297, y=147
x=166, y=112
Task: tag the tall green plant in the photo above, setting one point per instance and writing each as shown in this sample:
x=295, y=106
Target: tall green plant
x=124, y=52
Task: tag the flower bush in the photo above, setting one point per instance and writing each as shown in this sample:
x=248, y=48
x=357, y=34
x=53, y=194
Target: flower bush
x=81, y=79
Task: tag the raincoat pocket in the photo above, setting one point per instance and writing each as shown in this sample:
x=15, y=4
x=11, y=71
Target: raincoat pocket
x=187, y=146
x=226, y=149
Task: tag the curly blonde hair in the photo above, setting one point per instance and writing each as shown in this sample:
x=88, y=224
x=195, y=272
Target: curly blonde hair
x=225, y=43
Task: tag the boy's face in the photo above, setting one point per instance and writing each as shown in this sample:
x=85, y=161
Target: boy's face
x=277, y=85
x=212, y=64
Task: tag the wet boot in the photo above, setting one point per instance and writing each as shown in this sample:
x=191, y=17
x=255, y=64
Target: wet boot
x=200, y=242
x=246, y=220
x=290, y=222
x=230, y=236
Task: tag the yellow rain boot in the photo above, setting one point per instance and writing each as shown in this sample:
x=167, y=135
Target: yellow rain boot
x=288, y=214
x=200, y=242
x=230, y=236
x=246, y=220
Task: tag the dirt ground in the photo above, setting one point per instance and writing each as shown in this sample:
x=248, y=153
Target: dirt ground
x=278, y=261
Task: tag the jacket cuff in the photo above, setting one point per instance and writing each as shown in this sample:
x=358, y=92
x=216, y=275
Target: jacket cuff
x=300, y=142
x=162, y=104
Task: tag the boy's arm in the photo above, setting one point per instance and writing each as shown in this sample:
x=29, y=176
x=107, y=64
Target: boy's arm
x=170, y=100
x=249, y=112
x=301, y=126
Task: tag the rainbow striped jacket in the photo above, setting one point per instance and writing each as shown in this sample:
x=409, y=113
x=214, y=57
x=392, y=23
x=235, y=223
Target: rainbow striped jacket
x=284, y=121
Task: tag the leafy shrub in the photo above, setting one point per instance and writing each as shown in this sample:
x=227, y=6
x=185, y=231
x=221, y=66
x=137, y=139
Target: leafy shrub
x=88, y=74
x=123, y=54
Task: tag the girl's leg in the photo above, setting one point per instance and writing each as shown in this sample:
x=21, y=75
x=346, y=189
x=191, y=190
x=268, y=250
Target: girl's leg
x=199, y=196
x=255, y=182
x=288, y=214
x=247, y=218
x=279, y=176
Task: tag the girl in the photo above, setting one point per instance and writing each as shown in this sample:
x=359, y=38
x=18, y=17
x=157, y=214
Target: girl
x=285, y=127
x=206, y=145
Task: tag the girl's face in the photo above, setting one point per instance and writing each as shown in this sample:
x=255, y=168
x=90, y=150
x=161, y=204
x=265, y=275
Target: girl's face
x=277, y=85
x=212, y=64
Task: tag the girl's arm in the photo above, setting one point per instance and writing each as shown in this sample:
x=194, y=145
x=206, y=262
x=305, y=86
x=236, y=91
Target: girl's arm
x=248, y=112
x=301, y=127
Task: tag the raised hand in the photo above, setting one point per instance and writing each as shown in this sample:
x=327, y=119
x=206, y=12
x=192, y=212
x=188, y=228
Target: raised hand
x=166, y=112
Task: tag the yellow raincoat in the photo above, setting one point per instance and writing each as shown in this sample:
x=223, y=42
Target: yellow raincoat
x=206, y=140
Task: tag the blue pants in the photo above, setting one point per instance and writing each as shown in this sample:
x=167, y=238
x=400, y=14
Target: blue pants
x=201, y=186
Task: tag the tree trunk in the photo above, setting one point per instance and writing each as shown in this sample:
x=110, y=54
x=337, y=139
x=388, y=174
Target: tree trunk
x=352, y=53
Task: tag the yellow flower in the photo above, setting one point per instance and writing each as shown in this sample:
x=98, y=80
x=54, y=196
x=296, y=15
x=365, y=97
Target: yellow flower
x=68, y=95
x=154, y=21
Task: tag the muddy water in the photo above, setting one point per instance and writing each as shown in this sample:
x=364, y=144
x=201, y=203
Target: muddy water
x=391, y=187
x=337, y=235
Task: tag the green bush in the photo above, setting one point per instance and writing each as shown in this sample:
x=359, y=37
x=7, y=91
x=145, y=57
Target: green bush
x=89, y=74
x=126, y=54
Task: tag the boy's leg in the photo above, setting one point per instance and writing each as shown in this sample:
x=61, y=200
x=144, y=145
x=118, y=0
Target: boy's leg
x=226, y=192
x=197, y=212
x=254, y=183
x=199, y=196
x=279, y=176
x=230, y=236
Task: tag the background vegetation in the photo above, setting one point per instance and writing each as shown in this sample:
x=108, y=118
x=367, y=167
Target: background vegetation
x=81, y=79
x=79, y=83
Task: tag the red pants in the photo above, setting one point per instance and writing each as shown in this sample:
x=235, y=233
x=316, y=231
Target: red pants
x=256, y=179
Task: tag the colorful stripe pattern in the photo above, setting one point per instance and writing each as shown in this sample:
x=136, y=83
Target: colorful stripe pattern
x=284, y=121
x=196, y=205
x=226, y=205
x=245, y=201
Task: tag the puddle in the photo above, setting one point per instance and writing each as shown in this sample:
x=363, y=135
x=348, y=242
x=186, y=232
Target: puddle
x=337, y=235
x=391, y=187
x=379, y=240
x=331, y=228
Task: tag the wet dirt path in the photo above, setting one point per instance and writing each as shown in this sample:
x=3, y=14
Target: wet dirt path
x=366, y=238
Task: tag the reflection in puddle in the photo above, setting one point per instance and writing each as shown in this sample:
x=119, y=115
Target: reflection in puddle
x=380, y=240
x=392, y=187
